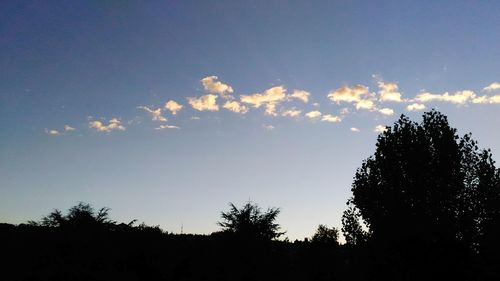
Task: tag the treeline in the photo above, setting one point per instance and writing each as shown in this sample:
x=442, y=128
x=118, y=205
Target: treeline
x=424, y=206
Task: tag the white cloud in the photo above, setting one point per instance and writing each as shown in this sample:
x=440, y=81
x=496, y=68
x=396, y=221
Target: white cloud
x=348, y=94
x=315, y=104
x=113, y=124
x=162, y=127
x=380, y=129
x=195, y=118
x=415, y=107
x=211, y=85
x=272, y=95
x=365, y=104
x=330, y=118
x=301, y=95
x=271, y=109
x=487, y=100
x=492, y=87
x=52, y=132
x=386, y=111
x=344, y=111
x=292, y=112
x=388, y=91
x=460, y=97
x=235, y=106
x=355, y=130
x=313, y=114
x=155, y=113
x=68, y=128
x=206, y=102
x=268, y=127
x=173, y=106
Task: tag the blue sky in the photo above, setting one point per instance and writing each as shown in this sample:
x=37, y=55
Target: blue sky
x=280, y=101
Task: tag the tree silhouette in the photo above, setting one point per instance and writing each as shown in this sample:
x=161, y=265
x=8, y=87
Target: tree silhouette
x=251, y=222
x=354, y=234
x=326, y=235
x=425, y=182
x=79, y=217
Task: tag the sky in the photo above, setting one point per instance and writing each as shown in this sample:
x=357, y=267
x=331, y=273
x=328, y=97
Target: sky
x=166, y=111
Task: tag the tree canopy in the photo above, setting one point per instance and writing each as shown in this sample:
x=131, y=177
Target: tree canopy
x=425, y=181
x=251, y=222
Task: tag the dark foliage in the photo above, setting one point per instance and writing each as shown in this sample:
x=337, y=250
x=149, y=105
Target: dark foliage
x=325, y=235
x=251, y=222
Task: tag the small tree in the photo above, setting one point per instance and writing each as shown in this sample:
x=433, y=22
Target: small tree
x=250, y=222
x=326, y=235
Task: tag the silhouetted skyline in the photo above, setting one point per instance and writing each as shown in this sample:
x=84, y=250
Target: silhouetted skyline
x=84, y=88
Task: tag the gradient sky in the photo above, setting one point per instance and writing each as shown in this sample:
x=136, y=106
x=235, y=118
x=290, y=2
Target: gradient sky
x=83, y=88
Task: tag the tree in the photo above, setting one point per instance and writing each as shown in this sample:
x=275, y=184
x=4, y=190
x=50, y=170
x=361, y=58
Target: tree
x=79, y=217
x=250, y=222
x=326, y=235
x=354, y=234
x=425, y=182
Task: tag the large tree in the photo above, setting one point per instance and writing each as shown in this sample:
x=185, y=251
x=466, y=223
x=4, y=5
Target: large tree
x=425, y=182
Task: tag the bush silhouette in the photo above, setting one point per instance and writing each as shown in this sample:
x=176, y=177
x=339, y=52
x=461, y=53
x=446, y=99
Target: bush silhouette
x=326, y=235
x=251, y=222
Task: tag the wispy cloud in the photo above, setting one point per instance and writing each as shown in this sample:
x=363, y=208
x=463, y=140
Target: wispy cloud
x=68, y=128
x=415, y=107
x=204, y=103
x=348, y=94
x=52, y=132
x=355, y=130
x=292, y=112
x=173, y=107
x=155, y=113
x=268, y=127
x=492, y=87
x=331, y=118
x=389, y=91
x=163, y=127
x=269, y=96
x=113, y=124
x=386, y=111
x=380, y=129
x=235, y=106
x=301, y=95
x=213, y=86
x=460, y=97
x=313, y=114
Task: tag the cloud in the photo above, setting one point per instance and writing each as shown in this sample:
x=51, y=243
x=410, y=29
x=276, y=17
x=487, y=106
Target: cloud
x=365, y=104
x=52, y=132
x=492, y=87
x=460, y=97
x=487, y=100
x=292, y=112
x=235, y=106
x=113, y=124
x=380, y=129
x=155, y=113
x=206, y=102
x=268, y=127
x=271, y=109
x=330, y=118
x=344, y=111
x=195, y=118
x=173, y=106
x=316, y=104
x=313, y=114
x=272, y=95
x=388, y=91
x=415, y=107
x=211, y=85
x=355, y=130
x=68, y=128
x=348, y=94
x=386, y=111
x=301, y=95
x=162, y=127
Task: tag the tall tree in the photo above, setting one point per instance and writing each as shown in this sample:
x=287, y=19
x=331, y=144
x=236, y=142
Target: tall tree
x=425, y=182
